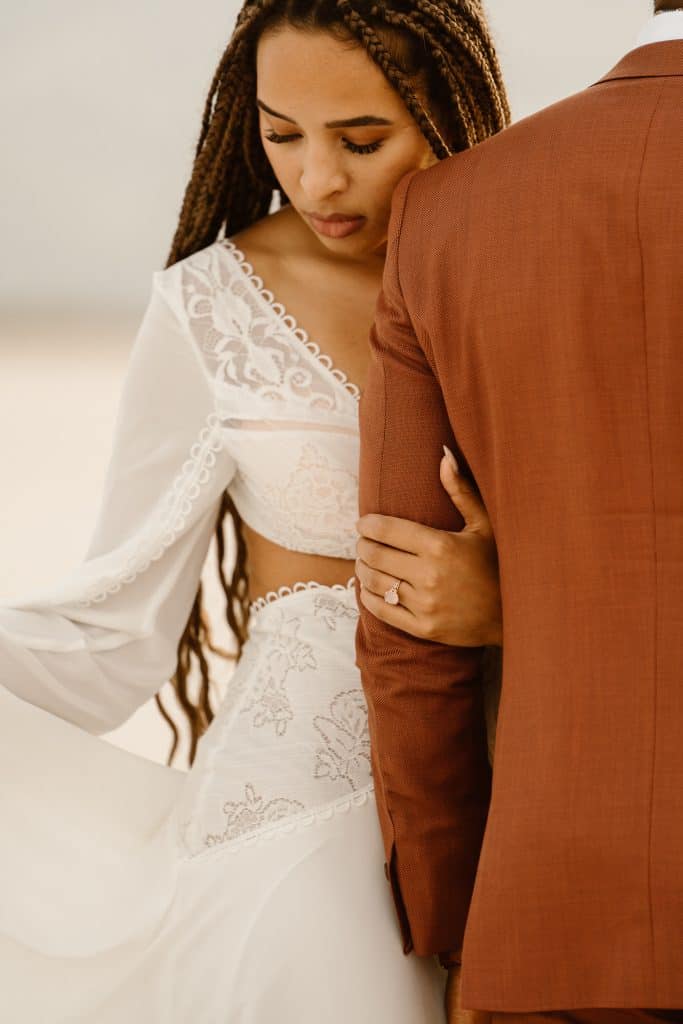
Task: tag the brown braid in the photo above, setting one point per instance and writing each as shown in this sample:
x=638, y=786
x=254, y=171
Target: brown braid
x=398, y=78
x=439, y=57
x=454, y=79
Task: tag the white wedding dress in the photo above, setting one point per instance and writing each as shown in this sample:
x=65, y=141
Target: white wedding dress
x=250, y=890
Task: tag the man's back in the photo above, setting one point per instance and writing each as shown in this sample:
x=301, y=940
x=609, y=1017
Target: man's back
x=542, y=272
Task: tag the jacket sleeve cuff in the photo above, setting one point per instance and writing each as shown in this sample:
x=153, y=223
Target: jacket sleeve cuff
x=448, y=960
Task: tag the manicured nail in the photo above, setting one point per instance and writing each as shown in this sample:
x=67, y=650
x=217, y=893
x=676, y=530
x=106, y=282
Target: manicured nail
x=451, y=459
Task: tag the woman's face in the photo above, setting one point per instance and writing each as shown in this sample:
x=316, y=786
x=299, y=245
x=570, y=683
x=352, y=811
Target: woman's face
x=337, y=135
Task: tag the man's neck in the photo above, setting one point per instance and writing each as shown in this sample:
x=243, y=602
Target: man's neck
x=666, y=25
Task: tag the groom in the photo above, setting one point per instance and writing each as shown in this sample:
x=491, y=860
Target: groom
x=532, y=320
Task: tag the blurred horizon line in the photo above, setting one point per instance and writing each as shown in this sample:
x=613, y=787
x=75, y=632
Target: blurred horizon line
x=23, y=328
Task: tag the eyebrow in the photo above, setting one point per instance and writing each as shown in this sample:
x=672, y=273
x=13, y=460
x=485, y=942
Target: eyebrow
x=364, y=121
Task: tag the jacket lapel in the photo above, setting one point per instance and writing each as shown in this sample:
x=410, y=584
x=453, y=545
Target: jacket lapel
x=657, y=60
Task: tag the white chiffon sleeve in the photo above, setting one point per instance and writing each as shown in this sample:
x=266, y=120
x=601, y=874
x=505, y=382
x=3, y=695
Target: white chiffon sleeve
x=103, y=641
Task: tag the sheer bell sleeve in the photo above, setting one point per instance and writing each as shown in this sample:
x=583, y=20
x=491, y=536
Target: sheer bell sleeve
x=98, y=645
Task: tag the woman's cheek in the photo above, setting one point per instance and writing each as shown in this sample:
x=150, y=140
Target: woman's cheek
x=277, y=160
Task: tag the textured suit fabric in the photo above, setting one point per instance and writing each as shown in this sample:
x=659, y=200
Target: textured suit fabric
x=590, y=1017
x=531, y=317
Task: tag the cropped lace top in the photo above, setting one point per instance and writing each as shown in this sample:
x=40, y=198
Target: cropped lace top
x=222, y=391
x=288, y=417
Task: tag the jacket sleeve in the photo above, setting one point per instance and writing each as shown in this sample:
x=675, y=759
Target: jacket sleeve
x=427, y=723
x=104, y=640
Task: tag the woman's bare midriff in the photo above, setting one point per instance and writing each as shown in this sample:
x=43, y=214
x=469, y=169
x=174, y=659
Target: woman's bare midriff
x=271, y=567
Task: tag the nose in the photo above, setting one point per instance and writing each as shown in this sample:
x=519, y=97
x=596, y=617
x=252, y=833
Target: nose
x=322, y=174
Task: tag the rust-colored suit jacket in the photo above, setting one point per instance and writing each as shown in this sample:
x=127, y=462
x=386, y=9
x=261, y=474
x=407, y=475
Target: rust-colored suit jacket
x=532, y=317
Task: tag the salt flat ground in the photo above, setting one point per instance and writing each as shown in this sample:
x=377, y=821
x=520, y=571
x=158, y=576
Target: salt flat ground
x=60, y=379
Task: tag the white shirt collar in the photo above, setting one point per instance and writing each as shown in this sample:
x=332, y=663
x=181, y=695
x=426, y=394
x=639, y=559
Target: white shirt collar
x=662, y=28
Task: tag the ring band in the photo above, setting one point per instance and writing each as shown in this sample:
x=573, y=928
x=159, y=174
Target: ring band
x=391, y=595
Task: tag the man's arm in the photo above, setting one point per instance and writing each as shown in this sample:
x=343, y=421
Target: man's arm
x=430, y=763
x=451, y=589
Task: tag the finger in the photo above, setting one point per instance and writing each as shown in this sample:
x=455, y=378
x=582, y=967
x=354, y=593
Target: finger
x=378, y=583
x=398, y=564
x=402, y=534
x=393, y=614
x=464, y=497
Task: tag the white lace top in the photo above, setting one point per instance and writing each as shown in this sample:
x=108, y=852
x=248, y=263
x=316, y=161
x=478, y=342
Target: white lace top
x=223, y=390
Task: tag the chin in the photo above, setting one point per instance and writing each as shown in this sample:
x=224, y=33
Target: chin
x=362, y=244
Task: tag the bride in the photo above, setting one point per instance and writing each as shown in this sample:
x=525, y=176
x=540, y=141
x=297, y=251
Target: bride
x=250, y=889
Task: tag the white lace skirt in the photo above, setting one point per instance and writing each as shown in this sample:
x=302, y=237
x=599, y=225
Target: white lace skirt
x=250, y=891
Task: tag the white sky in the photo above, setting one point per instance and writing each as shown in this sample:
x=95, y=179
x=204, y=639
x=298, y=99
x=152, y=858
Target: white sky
x=100, y=107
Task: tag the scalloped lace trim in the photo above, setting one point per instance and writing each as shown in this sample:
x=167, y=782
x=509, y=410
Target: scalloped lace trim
x=277, y=595
x=289, y=321
x=295, y=823
x=194, y=474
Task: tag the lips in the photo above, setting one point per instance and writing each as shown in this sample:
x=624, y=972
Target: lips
x=335, y=225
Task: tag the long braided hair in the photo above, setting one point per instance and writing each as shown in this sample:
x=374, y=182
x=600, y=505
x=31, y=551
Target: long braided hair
x=439, y=57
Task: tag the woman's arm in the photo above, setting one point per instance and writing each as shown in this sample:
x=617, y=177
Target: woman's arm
x=104, y=640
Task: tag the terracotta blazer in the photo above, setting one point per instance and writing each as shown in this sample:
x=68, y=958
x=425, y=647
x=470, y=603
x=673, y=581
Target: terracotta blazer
x=532, y=316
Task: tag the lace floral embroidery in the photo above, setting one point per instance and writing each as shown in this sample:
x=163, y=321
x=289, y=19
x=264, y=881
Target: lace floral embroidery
x=251, y=341
x=319, y=498
x=298, y=332
x=268, y=697
x=285, y=826
x=330, y=609
x=186, y=488
x=346, y=738
x=276, y=595
x=252, y=813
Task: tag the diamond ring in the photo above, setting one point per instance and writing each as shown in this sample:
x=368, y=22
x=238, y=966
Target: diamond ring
x=391, y=596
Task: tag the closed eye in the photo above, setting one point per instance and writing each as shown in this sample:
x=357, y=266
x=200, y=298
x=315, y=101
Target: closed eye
x=274, y=137
x=353, y=147
x=369, y=147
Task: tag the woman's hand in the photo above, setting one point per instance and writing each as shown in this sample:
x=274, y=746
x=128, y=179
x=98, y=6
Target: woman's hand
x=449, y=587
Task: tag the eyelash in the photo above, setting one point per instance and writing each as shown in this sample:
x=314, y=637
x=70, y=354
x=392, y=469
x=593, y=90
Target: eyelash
x=370, y=147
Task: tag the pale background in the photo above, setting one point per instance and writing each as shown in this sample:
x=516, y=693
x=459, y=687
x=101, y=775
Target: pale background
x=100, y=106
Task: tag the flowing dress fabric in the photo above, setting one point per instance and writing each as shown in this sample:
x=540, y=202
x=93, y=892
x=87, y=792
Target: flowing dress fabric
x=252, y=887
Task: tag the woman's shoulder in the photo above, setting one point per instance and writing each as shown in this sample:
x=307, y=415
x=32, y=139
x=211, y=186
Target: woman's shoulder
x=271, y=233
x=213, y=293
x=264, y=243
x=217, y=294
x=270, y=241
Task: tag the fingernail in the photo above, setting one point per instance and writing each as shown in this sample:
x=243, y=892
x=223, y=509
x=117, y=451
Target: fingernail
x=451, y=458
